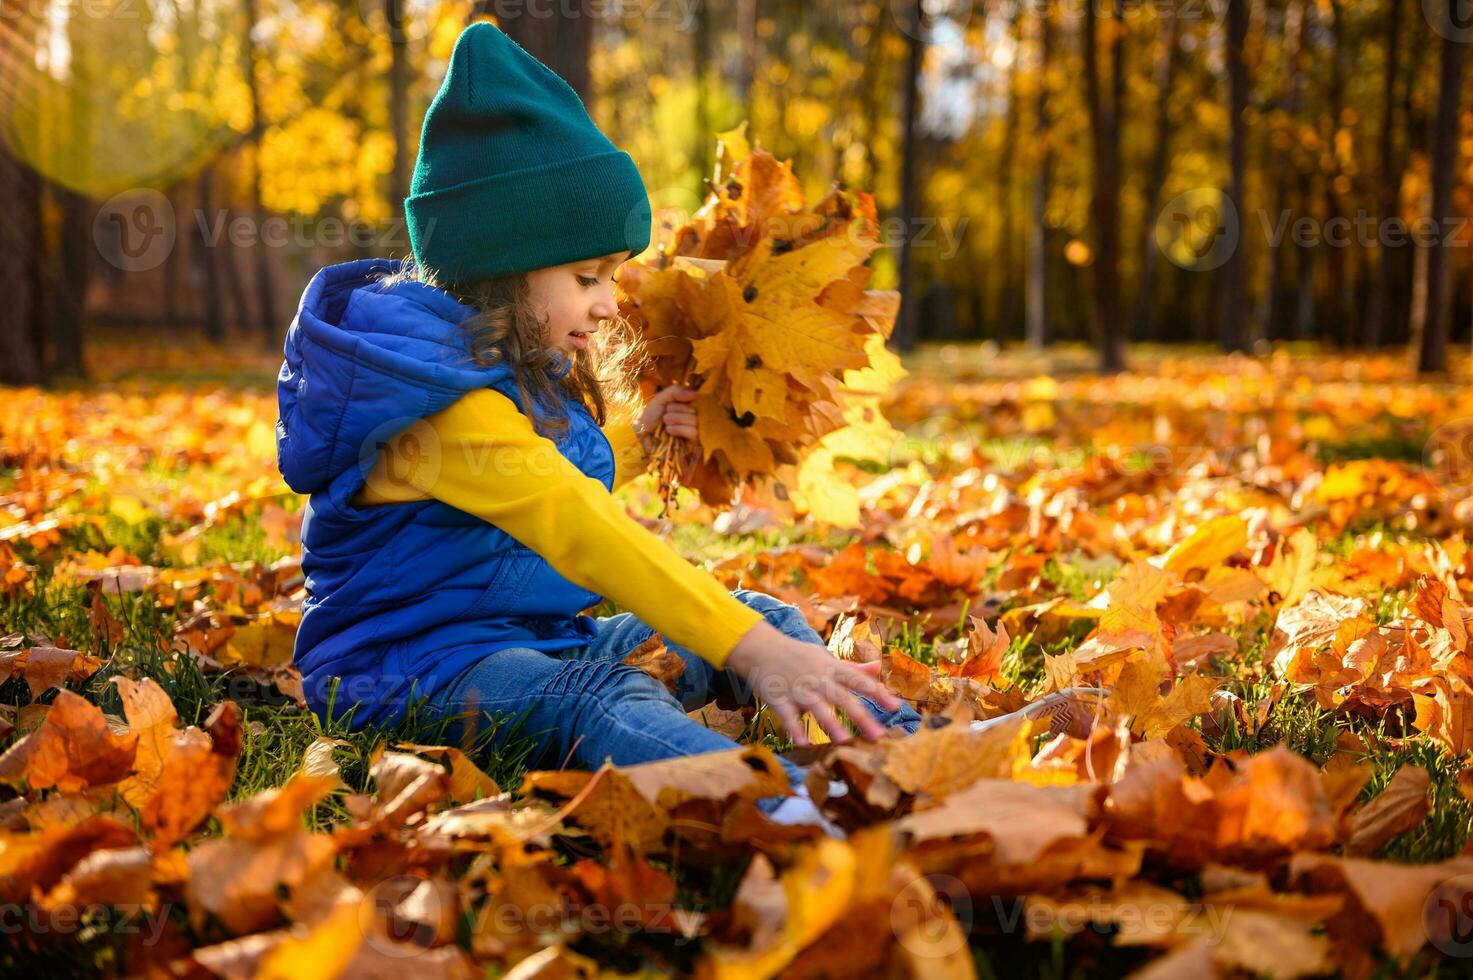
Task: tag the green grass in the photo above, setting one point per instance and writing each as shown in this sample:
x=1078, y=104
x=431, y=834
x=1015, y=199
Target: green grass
x=277, y=733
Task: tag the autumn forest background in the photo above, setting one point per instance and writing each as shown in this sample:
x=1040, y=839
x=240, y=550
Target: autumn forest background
x=1041, y=345
x=1052, y=171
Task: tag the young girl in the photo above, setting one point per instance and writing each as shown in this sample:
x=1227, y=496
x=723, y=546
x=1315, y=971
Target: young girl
x=450, y=419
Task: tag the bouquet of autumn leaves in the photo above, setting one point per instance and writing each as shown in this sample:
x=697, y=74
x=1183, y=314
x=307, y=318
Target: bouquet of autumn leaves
x=760, y=304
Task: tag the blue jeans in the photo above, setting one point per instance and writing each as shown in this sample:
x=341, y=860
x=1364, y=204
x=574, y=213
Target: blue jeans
x=584, y=705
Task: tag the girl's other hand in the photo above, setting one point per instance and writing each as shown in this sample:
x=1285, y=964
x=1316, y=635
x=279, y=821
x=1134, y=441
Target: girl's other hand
x=672, y=407
x=794, y=677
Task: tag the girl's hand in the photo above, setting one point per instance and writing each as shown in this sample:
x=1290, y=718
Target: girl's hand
x=670, y=407
x=794, y=677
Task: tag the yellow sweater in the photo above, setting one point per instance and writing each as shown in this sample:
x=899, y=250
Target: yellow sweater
x=491, y=462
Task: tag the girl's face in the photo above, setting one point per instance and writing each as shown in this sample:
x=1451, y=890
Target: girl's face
x=575, y=298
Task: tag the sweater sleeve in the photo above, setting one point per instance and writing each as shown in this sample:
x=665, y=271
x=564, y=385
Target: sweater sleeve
x=492, y=463
x=630, y=459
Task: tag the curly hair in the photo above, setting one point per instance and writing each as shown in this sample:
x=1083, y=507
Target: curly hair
x=507, y=327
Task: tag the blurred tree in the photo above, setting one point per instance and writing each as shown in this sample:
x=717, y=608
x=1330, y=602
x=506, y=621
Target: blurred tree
x=1015, y=188
x=74, y=240
x=397, y=21
x=22, y=357
x=270, y=324
x=1339, y=311
x=558, y=35
x=1388, y=179
x=907, y=322
x=1233, y=333
x=1164, y=76
x=204, y=191
x=1305, y=251
x=1104, y=117
x=22, y=330
x=1280, y=132
x=1038, y=332
x=1430, y=319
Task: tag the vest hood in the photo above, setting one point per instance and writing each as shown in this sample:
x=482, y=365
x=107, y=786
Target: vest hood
x=362, y=362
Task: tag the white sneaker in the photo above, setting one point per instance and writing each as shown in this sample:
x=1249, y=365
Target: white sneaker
x=799, y=809
x=1057, y=709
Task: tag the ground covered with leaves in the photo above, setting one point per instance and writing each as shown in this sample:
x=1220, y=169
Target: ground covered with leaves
x=1265, y=561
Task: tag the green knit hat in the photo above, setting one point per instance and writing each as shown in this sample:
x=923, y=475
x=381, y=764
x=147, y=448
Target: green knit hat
x=512, y=174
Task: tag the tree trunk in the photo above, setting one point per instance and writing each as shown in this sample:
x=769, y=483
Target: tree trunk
x=907, y=324
x=24, y=280
x=399, y=70
x=1430, y=318
x=1012, y=301
x=270, y=325
x=558, y=35
x=72, y=267
x=1145, y=324
x=1037, y=288
x=1339, y=311
x=700, y=62
x=746, y=17
x=1268, y=305
x=240, y=300
x=1390, y=180
x=1304, y=313
x=1232, y=334
x=1104, y=117
x=174, y=263
x=213, y=320
x=22, y=361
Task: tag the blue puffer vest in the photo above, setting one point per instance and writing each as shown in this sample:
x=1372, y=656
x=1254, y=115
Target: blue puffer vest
x=403, y=597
